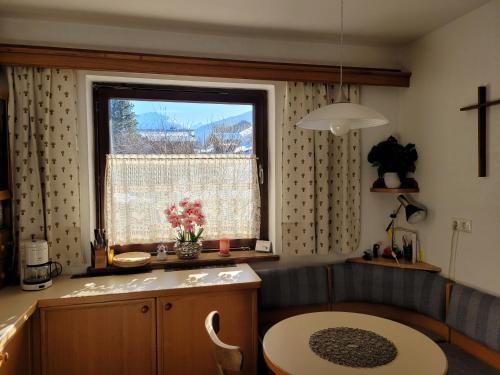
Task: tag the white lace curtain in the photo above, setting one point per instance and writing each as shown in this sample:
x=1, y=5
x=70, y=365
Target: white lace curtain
x=139, y=188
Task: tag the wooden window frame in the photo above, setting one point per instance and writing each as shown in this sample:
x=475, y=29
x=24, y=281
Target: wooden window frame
x=104, y=91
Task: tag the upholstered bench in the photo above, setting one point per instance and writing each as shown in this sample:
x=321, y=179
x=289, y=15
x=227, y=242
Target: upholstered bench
x=470, y=325
x=289, y=291
x=414, y=297
x=474, y=319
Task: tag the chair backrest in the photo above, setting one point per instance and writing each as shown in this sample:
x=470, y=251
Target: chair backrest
x=229, y=358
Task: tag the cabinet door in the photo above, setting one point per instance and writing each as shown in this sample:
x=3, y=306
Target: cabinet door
x=15, y=357
x=183, y=343
x=102, y=338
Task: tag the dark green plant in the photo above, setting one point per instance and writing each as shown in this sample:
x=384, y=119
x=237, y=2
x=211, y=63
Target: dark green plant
x=391, y=156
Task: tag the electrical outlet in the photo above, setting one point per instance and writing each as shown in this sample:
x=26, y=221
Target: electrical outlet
x=461, y=225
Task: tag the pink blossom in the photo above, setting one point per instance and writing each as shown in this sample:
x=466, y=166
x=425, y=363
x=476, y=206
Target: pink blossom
x=188, y=218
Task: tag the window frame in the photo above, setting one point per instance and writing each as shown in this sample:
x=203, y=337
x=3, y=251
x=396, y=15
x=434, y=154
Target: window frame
x=104, y=91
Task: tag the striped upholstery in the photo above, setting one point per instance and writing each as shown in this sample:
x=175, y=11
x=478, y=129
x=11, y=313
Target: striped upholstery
x=475, y=314
x=421, y=291
x=291, y=287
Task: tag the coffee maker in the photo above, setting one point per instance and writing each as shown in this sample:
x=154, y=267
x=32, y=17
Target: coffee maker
x=35, y=268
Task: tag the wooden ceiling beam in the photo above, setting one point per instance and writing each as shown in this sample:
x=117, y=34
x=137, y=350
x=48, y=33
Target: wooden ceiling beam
x=52, y=57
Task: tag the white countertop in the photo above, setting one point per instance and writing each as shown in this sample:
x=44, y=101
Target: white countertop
x=16, y=305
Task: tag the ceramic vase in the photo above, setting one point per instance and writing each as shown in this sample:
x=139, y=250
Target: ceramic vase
x=391, y=180
x=188, y=250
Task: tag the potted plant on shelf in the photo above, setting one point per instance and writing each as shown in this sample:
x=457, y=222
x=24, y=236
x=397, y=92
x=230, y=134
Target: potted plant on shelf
x=393, y=161
x=188, y=220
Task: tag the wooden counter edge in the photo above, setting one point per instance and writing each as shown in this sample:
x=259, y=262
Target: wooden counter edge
x=126, y=296
x=8, y=333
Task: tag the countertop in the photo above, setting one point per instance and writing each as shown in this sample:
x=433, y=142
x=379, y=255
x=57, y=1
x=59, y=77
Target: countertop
x=16, y=305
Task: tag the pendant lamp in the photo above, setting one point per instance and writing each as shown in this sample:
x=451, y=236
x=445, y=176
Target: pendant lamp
x=342, y=116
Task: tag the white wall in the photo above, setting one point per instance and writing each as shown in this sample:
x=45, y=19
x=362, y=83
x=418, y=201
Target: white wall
x=79, y=35
x=447, y=66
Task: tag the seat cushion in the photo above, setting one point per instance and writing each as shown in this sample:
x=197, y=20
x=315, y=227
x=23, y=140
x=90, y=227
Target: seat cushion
x=289, y=287
x=476, y=315
x=462, y=363
x=416, y=290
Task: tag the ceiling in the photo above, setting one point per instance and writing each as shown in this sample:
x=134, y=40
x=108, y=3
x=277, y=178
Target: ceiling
x=376, y=22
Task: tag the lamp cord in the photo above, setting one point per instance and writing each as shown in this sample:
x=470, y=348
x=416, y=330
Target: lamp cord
x=453, y=254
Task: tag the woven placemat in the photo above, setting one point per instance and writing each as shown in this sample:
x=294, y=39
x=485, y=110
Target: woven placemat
x=352, y=347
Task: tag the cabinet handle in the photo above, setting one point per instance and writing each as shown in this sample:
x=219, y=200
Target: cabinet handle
x=145, y=309
x=168, y=306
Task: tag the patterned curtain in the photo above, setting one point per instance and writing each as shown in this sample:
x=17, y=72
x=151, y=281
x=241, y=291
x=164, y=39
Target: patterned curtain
x=43, y=130
x=321, y=178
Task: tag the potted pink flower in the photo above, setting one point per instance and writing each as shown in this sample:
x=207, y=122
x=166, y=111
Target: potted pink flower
x=188, y=220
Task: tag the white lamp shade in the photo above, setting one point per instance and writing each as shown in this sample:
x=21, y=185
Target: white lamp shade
x=342, y=117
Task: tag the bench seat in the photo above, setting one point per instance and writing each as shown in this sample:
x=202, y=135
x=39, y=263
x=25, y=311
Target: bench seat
x=462, y=363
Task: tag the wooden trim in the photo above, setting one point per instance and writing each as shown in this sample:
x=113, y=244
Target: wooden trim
x=475, y=348
x=238, y=244
x=276, y=315
x=103, y=92
x=4, y=195
x=447, y=296
x=395, y=191
x=403, y=264
x=275, y=369
x=50, y=57
x=397, y=314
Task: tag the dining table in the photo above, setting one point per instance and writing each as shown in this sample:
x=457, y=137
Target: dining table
x=352, y=344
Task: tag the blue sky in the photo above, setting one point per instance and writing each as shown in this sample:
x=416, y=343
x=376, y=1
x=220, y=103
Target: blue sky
x=191, y=113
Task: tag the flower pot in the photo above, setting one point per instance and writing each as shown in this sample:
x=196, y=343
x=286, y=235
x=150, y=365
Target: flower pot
x=391, y=180
x=188, y=250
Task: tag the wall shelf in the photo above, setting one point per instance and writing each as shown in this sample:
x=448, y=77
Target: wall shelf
x=4, y=195
x=395, y=191
x=385, y=262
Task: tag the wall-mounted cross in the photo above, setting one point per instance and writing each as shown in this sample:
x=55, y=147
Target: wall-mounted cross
x=481, y=110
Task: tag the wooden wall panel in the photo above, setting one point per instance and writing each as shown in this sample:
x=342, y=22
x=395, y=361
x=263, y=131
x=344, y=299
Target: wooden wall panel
x=192, y=66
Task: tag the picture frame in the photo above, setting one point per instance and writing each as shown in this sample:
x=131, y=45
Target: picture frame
x=263, y=246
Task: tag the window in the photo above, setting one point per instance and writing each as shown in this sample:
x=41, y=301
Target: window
x=158, y=144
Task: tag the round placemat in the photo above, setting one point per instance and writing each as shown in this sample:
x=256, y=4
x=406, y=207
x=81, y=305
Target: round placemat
x=352, y=347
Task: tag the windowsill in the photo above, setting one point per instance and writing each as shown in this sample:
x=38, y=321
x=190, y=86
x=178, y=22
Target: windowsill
x=211, y=258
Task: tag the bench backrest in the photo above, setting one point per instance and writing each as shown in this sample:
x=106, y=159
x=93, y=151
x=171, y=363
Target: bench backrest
x=291, y=287
x=476, y=315
x=420, y=291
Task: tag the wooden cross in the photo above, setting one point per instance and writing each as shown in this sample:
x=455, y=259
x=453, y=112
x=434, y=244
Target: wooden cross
x=481, y=118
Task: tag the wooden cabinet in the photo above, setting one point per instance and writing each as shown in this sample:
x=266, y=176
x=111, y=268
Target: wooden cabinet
x=101, y=338
x=15, y=358
x=183, y=343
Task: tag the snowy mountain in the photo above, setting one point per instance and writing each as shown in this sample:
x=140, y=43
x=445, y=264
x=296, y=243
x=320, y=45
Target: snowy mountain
x=155, y=121
x=234, y=124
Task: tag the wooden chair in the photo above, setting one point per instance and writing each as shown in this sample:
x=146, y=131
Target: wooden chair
x=229, y=358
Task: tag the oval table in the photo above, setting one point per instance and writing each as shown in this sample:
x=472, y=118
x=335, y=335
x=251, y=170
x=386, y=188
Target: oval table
x=287, y=351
